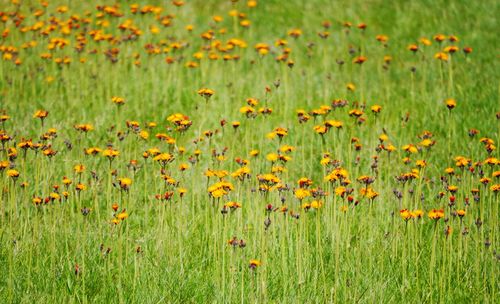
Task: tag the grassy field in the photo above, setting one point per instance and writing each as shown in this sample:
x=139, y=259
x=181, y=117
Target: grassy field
x=249, y=152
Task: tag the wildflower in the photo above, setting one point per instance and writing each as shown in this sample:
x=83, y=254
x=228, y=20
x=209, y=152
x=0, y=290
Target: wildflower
x=83, y=127
x=413, y=47
x=301, y=193
x=92, y=151
x=36, y=200
x=206, y=93
x=122, y=215
x=254, y=264
x=405, y=214
x=232, y=205
x=125, y=183
x=79, y=169
x=14, y=174
x=417, y=213
x=450, y=103
x=425, y=41
x=42, y=114
x=451, y=49
x=295, y=33
x=359, y=60
x=441, y=56
x=439, y=37
x=304, y=182
x=376, y=109
x=254, y=153
x=119, y=101
x=436, y=214
x=315, y=204
x=85, y=211
x=410, y=148
x=220, y=189
x=382, y=38
x=81, y=187
x=447, y=231
x=110, y=153
x=340, y=191
x=495, y=188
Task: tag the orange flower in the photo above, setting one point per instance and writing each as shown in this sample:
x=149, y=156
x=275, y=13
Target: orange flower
x=436, y=214
x=359, y=59
x=42, y=114
x=441, y=56
x=206, y=93
x=413, y=47
x=376, y=109
x=405, y=214
x=120, y=101
x=450, y=103
x=254, y=264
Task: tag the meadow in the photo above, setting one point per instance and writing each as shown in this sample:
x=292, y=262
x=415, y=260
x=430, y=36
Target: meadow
x=249, y=151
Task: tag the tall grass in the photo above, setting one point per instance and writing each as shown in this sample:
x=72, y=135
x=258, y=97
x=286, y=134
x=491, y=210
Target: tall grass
x=330, y=248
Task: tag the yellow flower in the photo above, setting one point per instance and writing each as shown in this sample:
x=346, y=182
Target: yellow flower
x=301, y=193
x=79, y=168
x=450, y=103
x=441, y=56
x=181, y=191
x=122, y=215
x=251, y=3
x=81, y=187
x=405, y=214
x=425, y=41
x=206, y=93
x=333, y=123
x=110, y=153
x=427, y=143
x=84, y=127
x=125, y=183
x=421, y=163
x=383, y=137
x=13, y=173
x=417, y=213
x=340, y=191
x=42, y=114
x=436, y=214
x=254, y=263
x=66, y=181
x=316, y=204
x=410, y=148
x=272, y=157
x=92, y=151
x=164, y=158
x=118, y=100
x=233, y=205
x=376, y=108
x=144, y=134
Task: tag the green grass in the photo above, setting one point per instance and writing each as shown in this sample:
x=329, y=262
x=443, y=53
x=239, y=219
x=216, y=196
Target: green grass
x=177, y=251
